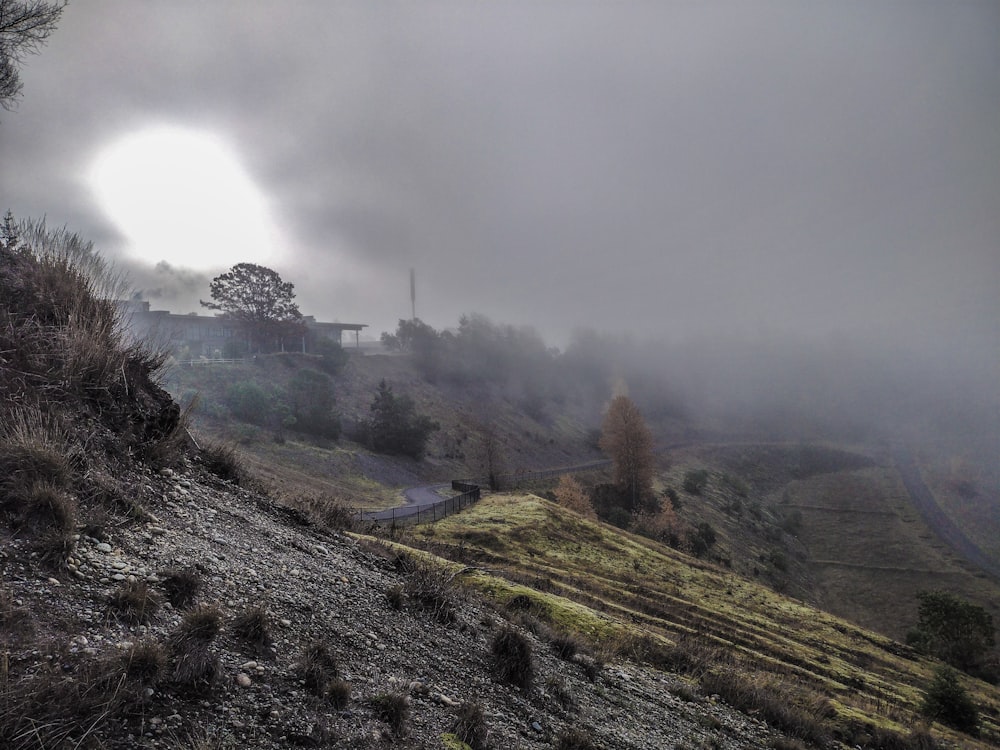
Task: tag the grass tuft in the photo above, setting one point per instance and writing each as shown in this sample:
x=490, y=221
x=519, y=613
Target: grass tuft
x=195, y=667
x=317, y=668
x=513, y=662
x=253, y=625
x=134, y=602
x=470, y=726
x=181, y=586
x=393, y=709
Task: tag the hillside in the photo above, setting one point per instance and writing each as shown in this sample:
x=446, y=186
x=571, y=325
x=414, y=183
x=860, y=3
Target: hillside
x=830, y=524
x=154, y=594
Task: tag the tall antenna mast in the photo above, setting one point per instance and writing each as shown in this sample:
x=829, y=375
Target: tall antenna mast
x=413, y=294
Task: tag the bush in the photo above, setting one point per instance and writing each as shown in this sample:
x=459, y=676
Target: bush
x=701, y=538
x=512, y=659
x=222, y=460
x=317, y=668
x=338, y=693
x=135, y=602
x=787, y=708
x=310, y=394
x=432, y=589
x=695, y=481
x=249, y=402
x=953, y=630
x=947, y=701
x=574, y=738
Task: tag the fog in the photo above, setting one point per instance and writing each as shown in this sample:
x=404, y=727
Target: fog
x=778, y=202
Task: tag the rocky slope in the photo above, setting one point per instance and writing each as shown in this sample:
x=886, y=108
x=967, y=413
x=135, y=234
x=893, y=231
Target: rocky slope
x=78, y=670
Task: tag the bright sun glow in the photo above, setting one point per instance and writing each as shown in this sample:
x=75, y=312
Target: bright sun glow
x=182, y=196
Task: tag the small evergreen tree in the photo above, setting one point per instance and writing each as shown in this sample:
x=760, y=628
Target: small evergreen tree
x=947, y=701
x=394, y=426
x=952, y=629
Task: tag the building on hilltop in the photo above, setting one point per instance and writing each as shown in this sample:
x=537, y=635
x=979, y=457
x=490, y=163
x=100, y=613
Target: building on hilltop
x=218, y=336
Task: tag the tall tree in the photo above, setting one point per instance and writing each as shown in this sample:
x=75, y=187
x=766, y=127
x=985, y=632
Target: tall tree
x=256, y=298
x=952, y=629
x=24, y=27
x=629, y=444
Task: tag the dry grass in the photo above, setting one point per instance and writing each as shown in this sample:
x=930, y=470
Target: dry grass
x=253, y=625
x=393, y=709
x=181, y=586
x=134, y=602
x=512, y=659
x=195, y=666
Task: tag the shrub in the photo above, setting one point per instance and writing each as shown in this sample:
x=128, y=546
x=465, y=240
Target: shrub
x=249, y=402
x=145, y=663
x=947, y=701
x=513, y=662
x=181, y=586
x=222, y=460
x=432, y=589
x=394, y=426
x=565, y=646
x=327, y=511
x=470, y=726
x=787, y=708
x=310, y=394
x=695, y=481
x=701, y=538
x=135, y=602
x=952, y=629
x=393, y=709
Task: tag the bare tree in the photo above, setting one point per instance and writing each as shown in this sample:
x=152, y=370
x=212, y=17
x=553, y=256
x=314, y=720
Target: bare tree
x=629, y=443
x=490, y=454
x=24, y=27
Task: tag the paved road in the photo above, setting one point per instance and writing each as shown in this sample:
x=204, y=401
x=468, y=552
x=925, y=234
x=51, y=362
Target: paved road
x=415, y=498
x=428, y=494
x=935, y=517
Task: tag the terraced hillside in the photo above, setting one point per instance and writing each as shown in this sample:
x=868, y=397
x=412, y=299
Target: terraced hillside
x=579, y=576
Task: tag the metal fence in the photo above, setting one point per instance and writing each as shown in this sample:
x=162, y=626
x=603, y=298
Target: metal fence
x=470, y=491
x=427, y=513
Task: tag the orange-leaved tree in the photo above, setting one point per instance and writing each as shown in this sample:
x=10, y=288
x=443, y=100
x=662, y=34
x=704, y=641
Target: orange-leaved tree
x=571, y=494
x=629, y=443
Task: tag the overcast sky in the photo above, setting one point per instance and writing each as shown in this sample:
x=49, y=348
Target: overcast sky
x=675, y=167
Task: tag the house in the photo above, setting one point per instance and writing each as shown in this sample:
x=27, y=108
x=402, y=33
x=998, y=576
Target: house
x=215, y=336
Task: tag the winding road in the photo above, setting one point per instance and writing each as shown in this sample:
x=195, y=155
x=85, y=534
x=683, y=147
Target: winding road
x=419, y=498
x=935, y=517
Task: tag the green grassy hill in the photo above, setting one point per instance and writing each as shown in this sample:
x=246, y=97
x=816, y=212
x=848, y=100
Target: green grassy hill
x=629, y=595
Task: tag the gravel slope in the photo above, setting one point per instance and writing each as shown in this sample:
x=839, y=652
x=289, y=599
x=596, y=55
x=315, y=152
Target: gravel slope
x=316, y=588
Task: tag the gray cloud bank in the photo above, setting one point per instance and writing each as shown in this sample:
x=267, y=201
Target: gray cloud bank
x=672, y=170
